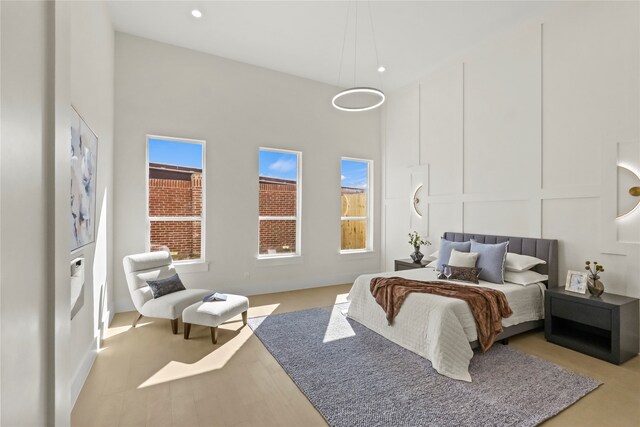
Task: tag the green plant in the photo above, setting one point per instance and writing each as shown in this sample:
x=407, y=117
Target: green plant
x=416, y=241
x=593, y=269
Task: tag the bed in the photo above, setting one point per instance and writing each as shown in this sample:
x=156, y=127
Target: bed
x=442, y=329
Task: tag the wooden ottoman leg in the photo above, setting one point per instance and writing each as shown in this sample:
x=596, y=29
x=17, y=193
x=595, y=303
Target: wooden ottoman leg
x=135, y=322
x=244, y=318
x=174, y=326
x=187, y=330
x=214, y=335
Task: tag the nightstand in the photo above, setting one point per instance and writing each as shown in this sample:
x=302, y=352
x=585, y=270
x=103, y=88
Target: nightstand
x=605, y=327
x=408, y=264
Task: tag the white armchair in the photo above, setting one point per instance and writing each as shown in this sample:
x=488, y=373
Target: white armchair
x=138, y=269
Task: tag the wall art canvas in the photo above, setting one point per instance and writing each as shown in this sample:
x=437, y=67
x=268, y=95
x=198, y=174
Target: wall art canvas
x=84, y=162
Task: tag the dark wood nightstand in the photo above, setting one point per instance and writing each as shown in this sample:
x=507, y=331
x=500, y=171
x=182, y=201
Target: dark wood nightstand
x=408, y=264
x=605, y=327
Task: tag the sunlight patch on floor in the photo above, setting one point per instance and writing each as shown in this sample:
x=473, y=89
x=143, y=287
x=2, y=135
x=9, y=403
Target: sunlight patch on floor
x=341, y=298
x=117, y=330
x=262, y=310
x=216, y=359
x=338, y=327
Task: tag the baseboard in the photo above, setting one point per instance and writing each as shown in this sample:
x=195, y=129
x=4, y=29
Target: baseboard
x=83, y=371
x=292, y=285
x=125, y=304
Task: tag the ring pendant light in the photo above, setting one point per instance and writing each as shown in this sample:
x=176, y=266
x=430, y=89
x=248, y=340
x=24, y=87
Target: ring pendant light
x=355, y=90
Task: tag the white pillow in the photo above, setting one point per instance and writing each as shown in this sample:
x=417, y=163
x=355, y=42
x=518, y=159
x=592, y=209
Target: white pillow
x=524, y=278
x=463, y=259
x=517, y=262
x=433, y=256
x=433, y=264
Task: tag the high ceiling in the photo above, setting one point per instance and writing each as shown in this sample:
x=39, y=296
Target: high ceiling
x=305, y=38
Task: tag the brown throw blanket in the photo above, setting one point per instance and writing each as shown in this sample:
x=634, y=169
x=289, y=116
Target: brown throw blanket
x=488, y=306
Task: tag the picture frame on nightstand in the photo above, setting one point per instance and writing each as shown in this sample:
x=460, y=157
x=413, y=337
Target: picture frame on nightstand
x=576, y=282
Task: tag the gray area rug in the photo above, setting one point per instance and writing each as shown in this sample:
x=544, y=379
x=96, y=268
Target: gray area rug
x=355, y=377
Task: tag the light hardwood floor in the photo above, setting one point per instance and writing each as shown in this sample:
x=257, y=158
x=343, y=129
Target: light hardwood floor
x=148, y=377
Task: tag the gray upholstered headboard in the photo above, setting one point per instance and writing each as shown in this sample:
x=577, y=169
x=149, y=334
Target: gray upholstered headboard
x=545, y=249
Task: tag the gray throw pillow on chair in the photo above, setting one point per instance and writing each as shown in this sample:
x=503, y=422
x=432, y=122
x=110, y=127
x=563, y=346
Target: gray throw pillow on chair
x=166, y=286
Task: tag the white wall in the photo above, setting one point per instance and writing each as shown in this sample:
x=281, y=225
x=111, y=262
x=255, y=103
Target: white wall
x=92, y=93
x=58, y=248
x=45, y=356
x=521, y=136
x=236, y=108
x=26, y=134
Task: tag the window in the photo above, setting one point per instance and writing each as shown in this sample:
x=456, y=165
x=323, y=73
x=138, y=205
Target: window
x=279, y=216
x=356, y=205
x=175, y=192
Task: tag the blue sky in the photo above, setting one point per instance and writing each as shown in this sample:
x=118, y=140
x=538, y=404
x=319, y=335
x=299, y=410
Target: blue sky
x=354, y=174
x=272, y=163
x=175, y=153
x=278, y=165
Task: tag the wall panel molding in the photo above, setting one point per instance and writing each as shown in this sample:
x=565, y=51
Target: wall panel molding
x=502, y=99
x=530, y=122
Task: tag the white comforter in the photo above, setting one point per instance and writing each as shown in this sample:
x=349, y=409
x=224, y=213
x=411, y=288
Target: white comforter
x=435, y=327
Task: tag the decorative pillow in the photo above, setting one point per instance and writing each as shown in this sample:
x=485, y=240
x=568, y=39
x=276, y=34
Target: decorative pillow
x=433, y=264
x=446, y=246
x=491, y=260
x=524, y=278
x=433, y=256
x=466, y=274
x=517, y=262
x=463, y=259
x=166, y=286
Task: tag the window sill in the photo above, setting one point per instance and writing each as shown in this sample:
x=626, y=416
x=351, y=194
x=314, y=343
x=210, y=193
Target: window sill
x=359, y=254
x=275, y=260
x=191, y=266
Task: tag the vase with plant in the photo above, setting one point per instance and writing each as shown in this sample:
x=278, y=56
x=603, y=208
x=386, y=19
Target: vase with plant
x=416, y=241
x=595, y=286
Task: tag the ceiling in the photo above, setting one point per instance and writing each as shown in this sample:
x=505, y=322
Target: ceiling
x=305, y=38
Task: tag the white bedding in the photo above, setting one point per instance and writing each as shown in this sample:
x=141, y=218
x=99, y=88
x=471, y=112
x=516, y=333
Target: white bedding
x=435, y=327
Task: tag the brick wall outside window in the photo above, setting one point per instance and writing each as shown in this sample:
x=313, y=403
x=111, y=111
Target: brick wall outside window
x=181, y=195
x=278, y=235
x=277, y=198
x=176, y=197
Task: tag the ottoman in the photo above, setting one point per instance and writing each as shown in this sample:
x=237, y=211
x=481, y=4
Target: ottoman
x=214, y=313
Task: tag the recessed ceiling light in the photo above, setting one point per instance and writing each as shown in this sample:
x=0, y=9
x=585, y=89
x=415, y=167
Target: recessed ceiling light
x=381, y=69
x=196, y=13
